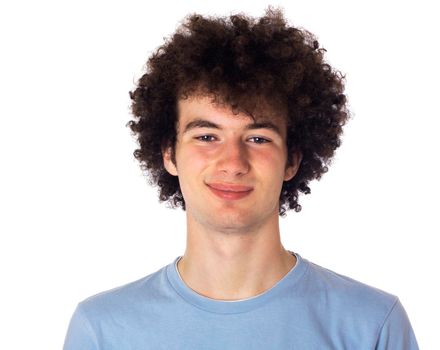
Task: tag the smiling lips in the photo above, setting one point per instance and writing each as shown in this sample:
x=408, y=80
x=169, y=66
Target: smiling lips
x=230, y=191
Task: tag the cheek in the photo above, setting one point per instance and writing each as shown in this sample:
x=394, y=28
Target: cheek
x=193, y=159
x=269, y=159
x=271, y=167
x=191, y=164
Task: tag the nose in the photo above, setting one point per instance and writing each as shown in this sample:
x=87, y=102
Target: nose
x=233, y=158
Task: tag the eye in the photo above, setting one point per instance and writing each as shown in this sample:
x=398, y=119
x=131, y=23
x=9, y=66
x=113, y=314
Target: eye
x=259, y=140
x=205, y=138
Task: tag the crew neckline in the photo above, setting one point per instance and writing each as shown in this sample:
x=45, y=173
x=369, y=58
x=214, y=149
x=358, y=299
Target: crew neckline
x=234, y=306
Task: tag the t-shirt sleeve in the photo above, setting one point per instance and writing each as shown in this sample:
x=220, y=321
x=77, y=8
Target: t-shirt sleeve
x=80, y=335
x=396, y=332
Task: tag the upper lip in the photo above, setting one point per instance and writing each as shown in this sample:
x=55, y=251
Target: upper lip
x=230, y=187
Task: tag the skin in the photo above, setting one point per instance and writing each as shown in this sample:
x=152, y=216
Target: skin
x=233, y=247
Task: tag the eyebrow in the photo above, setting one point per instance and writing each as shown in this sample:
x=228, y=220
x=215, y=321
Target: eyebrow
x=203, y=123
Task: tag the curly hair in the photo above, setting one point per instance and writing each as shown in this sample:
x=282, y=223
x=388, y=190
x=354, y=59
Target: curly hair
x=239, y=60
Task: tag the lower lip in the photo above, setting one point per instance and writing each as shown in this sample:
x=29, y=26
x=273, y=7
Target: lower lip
x=228, y=194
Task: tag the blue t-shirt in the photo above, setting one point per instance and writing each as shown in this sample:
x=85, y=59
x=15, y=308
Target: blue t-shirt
x=309, y=308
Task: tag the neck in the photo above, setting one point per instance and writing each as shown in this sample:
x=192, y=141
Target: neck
x=233, y=266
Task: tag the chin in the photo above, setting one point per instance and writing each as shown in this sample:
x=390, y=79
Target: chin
x=233, y=222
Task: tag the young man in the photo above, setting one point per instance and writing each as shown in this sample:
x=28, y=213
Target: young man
x=234, y=118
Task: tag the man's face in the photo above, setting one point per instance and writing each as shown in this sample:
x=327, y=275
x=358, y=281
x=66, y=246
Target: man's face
x=230, y=167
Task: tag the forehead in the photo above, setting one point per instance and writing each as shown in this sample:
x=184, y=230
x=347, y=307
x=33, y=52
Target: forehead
x=212, y=108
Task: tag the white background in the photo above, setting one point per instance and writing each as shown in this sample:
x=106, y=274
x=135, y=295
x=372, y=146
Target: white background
x=78, y=217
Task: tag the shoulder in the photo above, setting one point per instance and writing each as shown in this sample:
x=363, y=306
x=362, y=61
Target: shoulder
x=125, y=298
x=99, y=316
x=363, y=313
x=348, y=296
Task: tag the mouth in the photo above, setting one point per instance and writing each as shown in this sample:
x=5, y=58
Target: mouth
x=230, y=191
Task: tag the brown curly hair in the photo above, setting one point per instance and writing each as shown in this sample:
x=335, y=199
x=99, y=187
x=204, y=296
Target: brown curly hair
x=239, y=60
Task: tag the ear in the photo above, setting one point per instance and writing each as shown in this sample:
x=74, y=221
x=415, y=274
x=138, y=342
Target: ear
x=292, y=169
x=168, y=161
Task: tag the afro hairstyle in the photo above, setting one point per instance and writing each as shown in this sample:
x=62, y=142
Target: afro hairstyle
x=238, y=60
